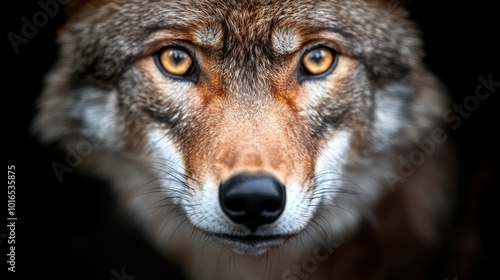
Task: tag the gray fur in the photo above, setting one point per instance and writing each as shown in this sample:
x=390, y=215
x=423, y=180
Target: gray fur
x=380, y=97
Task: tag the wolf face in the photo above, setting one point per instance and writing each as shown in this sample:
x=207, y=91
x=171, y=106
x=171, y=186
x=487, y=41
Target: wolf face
x=251, y=123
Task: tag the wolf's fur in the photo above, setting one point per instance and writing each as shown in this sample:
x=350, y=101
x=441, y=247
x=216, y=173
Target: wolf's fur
x=336, y=142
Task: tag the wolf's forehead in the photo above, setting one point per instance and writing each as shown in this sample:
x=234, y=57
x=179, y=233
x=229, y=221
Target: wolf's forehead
x=249, y=25
x=283, y=40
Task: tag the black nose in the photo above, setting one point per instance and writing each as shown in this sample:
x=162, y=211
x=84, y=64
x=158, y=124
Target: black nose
x=252, y=199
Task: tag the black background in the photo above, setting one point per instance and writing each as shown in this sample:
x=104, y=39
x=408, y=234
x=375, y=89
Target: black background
x=70, y=230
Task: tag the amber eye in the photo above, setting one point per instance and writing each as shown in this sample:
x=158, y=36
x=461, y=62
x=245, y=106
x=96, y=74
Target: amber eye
x=175, y=61
x=318, y=61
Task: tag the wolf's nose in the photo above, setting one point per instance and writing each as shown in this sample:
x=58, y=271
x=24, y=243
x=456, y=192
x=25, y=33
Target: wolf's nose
x=252, y=199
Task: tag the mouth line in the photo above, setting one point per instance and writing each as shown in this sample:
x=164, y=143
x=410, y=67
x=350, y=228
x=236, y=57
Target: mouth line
x=254, y=239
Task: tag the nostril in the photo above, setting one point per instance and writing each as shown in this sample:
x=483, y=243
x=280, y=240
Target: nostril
x=252, y=199
x=271, y=205
x=236, y=204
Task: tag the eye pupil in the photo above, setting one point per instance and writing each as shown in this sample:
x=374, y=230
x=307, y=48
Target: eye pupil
x=175, y=61
x=177, y=56
x=318, y=61
x=316, y=56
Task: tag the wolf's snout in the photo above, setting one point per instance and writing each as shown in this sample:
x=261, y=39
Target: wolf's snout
x=252, y=199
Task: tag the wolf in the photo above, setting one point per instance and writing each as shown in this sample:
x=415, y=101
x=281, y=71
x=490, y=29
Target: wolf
x=259, y=139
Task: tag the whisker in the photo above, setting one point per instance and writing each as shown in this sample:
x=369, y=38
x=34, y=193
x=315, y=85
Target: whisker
x=177, y=228
x=343, y=179
x=185, y=174
x=173, y=178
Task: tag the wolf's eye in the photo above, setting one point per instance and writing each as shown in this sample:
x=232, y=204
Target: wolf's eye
x=318, y=61
x=175, y=61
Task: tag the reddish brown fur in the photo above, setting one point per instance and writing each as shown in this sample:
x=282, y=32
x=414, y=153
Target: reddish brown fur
x=259, y=119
